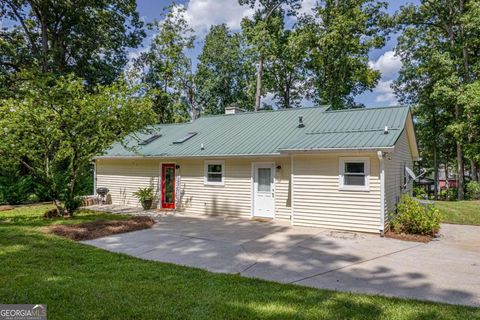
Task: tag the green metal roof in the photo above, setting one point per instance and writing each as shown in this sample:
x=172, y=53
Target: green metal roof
x=271, y=133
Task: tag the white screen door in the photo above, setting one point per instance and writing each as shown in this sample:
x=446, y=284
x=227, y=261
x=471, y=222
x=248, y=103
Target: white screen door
x=263, y=190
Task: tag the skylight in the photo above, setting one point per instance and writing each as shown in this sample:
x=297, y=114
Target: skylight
x=149, y=140
x=185, y=138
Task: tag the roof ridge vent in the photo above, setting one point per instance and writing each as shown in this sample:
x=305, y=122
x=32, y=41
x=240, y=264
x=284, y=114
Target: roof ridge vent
x=300, y=122
x=385, y=131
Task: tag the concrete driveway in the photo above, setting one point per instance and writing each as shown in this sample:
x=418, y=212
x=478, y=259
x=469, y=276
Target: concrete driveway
x=447, y=270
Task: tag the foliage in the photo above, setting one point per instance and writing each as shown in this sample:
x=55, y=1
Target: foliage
x=473, y=190
x=223, y=72
x=100, y=279
x=338, y=39
x=166, y=69
x=420, y=192
x=285, y=71
x=145, y=194
x=470, y=127
x=88, y=38
x=437, y=48
x=71, y=204
x=14, y=188
x=415, y=218
x=261, y=33
x=450, y=194
x=57, y=127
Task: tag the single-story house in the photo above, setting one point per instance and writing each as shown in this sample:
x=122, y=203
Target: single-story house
x=313, y=167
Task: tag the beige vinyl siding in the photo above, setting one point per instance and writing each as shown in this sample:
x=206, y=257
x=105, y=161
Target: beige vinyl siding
x=394, y=173
x=124, y=177
x=232, y=198
x=318, y=201
x=283, y=208
x=235, y=196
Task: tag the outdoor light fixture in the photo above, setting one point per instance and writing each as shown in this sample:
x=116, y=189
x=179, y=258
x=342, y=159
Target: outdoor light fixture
x=177, y=167
x=279, y=167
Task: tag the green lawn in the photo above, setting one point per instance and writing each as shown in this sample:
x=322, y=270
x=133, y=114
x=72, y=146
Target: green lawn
x=81, y=282
x=461, y=212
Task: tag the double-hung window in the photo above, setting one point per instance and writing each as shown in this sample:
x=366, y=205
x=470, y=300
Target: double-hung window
x=214, y=172
x=354, y=174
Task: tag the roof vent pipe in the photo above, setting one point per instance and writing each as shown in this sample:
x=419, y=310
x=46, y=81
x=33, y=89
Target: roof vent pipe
x=385, y=131
x=300, y=122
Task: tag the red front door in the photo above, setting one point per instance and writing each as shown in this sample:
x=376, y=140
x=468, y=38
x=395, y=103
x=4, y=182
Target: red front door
x=168, y=186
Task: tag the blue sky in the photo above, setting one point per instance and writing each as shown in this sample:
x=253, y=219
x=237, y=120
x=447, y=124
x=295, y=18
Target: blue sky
x=203, y=13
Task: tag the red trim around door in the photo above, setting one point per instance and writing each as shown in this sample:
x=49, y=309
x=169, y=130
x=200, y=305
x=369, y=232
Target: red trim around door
x=168, y=186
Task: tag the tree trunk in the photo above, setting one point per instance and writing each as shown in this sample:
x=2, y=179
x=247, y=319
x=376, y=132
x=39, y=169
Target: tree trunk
x=58, y=207
x=43, y=26
x=258, y=92
x=474, y=171
x=435, y=175
x=447, y=182
x=460, y=171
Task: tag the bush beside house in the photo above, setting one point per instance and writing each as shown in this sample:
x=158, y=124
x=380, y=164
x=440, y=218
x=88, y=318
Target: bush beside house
x=412, y=217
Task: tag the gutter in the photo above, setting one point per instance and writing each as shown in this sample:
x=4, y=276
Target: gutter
x=281, y=153
x=381, y=157
x=317, y=150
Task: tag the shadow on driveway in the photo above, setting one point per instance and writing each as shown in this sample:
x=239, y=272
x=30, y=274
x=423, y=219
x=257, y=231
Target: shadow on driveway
x=445, y=271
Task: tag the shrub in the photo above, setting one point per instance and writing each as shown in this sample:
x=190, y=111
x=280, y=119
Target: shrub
x=414, y=218
x=450, y=194
x=72, y=204
x=420, y=192
x=14, y=189
x=473, y=190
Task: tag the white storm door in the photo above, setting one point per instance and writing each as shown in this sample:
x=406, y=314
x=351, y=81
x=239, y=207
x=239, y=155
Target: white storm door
x=263, y=190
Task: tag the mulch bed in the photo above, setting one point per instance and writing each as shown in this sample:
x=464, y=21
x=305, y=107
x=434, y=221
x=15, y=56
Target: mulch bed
x=6, y=208
x=409, y=237
x=101, y=228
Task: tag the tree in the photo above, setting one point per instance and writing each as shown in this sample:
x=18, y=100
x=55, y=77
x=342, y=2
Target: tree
x=166, y=68
x=285, y=74
x=88, y=38
x=57, y=126
x=470, y=100
x=259, y=31
x=340, y=36
x=223, y=72
x=437, y=48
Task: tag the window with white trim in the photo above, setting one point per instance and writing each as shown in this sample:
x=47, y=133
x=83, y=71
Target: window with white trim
x=354, y=174
x=214, y=172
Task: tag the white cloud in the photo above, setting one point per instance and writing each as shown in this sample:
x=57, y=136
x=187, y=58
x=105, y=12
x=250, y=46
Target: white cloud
x=388, y=64
x=307, y=6
x=201, y=14
x=385, y=93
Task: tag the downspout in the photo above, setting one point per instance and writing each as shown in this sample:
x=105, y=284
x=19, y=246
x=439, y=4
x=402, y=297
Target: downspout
x=292, y=194
x=381, y=157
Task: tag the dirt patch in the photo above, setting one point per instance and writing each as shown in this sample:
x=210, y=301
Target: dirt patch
x=101, y=228
x=409, y=237
x=6, y=208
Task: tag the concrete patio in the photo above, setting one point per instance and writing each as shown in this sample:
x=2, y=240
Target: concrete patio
x=447, y=270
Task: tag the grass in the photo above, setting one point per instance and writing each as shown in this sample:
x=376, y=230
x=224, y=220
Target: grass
x=460, y=212
x=81, y=282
